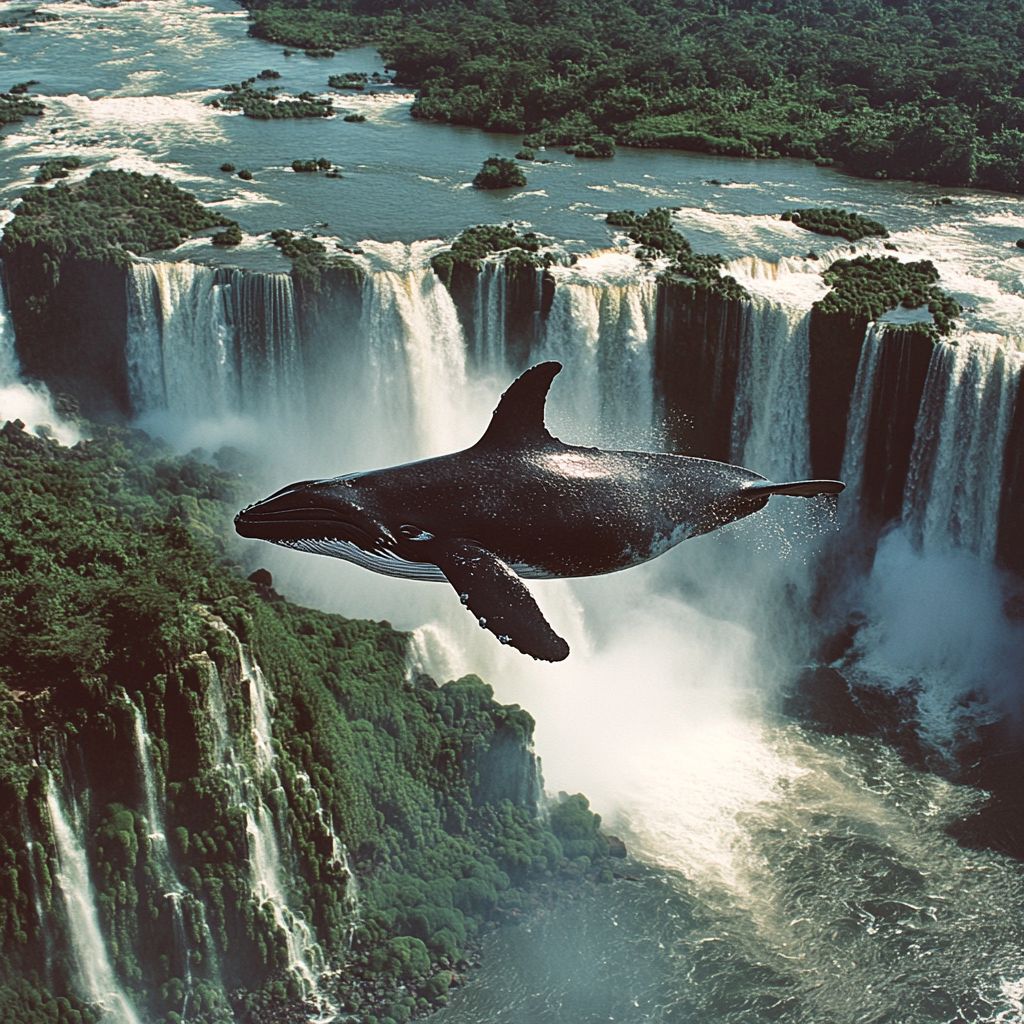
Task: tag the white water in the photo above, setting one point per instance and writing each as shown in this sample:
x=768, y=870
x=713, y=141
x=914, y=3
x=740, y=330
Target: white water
x=29, y=402
x=771, y=418
x=94, y=972
x=956, y=468
x=266, y=867
x=176, y=894
x=858, y=422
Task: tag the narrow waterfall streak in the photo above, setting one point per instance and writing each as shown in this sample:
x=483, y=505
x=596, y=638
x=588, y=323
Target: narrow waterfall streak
x=93, y=968
x=490, y=315
x=771, y=428
x=29, y=402
x=859, y=423
x=176, y=893
x=266, y=870
x=954, y=485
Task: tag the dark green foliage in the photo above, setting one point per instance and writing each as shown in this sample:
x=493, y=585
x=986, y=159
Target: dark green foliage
x=104, y=218
x=311, y=166
x=499, y=172
x=526, y=154
x=49, y=170
x=656, y=237
x=310, y=258
x=597, y=146
x=268, y=73
x=578, y=828
x=245, y=174
x=355, y=80
x=895, y=89
x=354, y=118
x=267, y=105
x=113, y=580
x=870, y=286
x=16, y=105
x=231, y=235
x=832, y=221
x=228, y=168
x=477, y=243
x=1020, y=243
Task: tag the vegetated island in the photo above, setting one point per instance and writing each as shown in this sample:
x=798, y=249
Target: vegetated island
x=311, y=259
x=474, y=245
x=59, y=167
x=269, y=105
x=499, y=172
x=870, y=286
x=656, y=237
x=121, y=617
x=926, y=91
x=829, y=220
x=16, y=104
x=105, y=218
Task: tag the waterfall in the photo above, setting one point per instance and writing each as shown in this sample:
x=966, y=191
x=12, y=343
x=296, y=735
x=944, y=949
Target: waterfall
x=954, y=485
x=601, y=327
x=490, y=315
x=859, y=422
x=305, y=959
x=176, y=895
x=771, y=429
x=414, y=365
x=205, y=341
x=29, y=402
x=94, y=971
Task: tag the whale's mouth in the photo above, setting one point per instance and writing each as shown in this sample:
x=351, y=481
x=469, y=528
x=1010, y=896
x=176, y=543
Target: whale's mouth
x=285, y=517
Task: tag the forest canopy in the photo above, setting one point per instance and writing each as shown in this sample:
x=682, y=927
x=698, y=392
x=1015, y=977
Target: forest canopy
x=887, y=88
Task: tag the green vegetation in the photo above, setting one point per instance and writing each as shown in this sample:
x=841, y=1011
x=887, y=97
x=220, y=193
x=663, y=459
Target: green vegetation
x=269, y=105
x=267, y=74
x=50, y=170
x=597, y=146
x=870, y=286
x=475, y=244
x=114, y=583
x=310, y=258
x=16, y=104
x=355, y=118
x=526, y=154
x=228, y=167
x=656, y=237
x=245, y=174
x=349, y=80
x=910, y=89
x=831, y=221
x=105, y=217
x=499, y=172
x=231, y=235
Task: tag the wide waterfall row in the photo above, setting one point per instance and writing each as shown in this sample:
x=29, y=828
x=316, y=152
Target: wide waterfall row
x=121, y=954
x=925, y=432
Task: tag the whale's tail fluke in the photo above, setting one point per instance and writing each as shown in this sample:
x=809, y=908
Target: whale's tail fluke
x=796, y=489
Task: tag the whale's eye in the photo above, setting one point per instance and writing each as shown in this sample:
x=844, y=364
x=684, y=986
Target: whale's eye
x=414, y=533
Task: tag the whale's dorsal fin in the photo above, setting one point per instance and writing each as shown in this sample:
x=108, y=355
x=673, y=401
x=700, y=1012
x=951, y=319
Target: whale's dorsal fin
x=519, y=418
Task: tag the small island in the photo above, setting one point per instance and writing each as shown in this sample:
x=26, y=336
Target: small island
x=830, y=220
x=656, y=238
x=269, y=104
x=499, y=172
x=475, y=244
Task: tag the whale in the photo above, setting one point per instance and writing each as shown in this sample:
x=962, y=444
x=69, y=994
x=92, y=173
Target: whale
x=519, y=504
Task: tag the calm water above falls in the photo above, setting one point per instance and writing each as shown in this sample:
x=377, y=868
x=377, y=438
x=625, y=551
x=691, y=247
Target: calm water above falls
x=793, y=878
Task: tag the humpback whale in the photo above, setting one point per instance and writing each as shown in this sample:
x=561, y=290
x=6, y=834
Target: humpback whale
x=519, y=504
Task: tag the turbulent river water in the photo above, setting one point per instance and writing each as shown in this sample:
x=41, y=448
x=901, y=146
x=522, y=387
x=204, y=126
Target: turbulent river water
x=786, y=875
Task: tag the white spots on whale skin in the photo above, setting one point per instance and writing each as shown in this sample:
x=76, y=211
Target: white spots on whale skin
x=464, y=597
x=483, y=622
x=504, y=639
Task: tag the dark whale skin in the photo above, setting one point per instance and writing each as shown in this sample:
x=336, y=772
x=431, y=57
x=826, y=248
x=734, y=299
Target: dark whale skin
x=519, y=503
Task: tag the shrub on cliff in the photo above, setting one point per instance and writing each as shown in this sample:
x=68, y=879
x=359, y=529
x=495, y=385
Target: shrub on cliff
x=499, y=172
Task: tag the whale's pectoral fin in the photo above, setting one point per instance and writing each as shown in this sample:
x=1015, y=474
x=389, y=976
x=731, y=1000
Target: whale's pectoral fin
x=498, y=598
